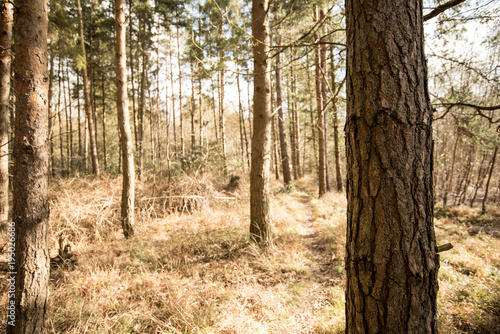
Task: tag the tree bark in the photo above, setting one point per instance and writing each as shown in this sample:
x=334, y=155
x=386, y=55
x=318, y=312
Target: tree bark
x=6, y=22
x=127, y=154
x=285, y=163
x=180, y=91
x=392, y=260
x=483, y=207
x=260, y=224
x=321, y=118
x=86, y=92
x=31, y=170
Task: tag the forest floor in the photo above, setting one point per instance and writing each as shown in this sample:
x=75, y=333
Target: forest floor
x=194, y=270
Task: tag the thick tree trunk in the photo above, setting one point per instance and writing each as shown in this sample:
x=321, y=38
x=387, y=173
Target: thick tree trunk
x=127, y=154
x=260, y=224
x=391, y=262
x=31, y=170
x=86, y=92
x=6, y=22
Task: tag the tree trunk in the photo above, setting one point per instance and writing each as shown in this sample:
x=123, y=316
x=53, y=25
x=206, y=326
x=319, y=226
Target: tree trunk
x=30, y=272
x=483, y=208
x=296, y=125
x=391, y=263
x=104, y=150
x=338, y=173
x=59, y=112
x=86, y=92
x=127, y=154
x=70, y=130
x=173, y=101
x=222, y=121
x=324, y=97
x=51, y=107
x=481, y=173
x=180, y=91
x=6, y=22
x=449, y=177
x=287, y=178
x=260, y=224
x=193, y=110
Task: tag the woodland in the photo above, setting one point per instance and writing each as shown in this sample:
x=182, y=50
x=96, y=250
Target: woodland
x=264, y=166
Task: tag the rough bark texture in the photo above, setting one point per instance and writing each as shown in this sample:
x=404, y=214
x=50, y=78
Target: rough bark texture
x=31, y=168
x=86, y=93
x=127, y=208
x=6, y=21
x=391, y=261
x=260, y=225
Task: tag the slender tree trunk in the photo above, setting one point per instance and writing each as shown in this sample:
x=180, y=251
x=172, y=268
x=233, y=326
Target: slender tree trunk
x=80, y=146
x=127, y=154
x=296, y=124
x=449, y=177
x=193, y=110
x=240, y=114
x=86, y=92
x=30, y=271
x=274, y=148
x=216, y=128
x=6, y=22
x=287, y=178
x=338, y=173
x=260, y=225
x=485, y=198
x=132, y=80
x=51, y=109
x=104, y=150
x=180, y=91
x=70, y=130
x=468, y=174
x=173, y=102
x=392, y=260
x=222, y=121
x=66, y=114
x=324, y=97
x=59, y=112
x=320, y=125
x=481, y=173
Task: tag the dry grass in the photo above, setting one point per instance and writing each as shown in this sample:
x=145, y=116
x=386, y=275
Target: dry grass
x=197, y=273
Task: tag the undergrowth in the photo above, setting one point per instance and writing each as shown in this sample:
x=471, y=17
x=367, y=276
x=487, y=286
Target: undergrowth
x=194, y=271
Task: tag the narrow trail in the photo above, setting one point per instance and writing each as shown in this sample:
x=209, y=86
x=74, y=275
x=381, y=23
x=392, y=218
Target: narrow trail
x=323, y=262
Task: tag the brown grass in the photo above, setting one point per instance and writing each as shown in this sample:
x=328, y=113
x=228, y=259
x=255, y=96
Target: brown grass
x=197, y=272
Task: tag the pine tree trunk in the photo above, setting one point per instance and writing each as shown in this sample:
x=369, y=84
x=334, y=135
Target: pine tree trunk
x=391, y=262
x=338, y=173
x=104, y=150
x=6, y=22
x=173, y=101
x=193, y=110
x=260, y=225
x=181, y=127
x=127, y=154
x=485, y=198
x=320, y=125
x=51, y=107
x=70, y=130
x=449, y=177
x=59, y=112
x=86, y=92
x=66, y=114
x=285, y=164
x=296, y=125
x=31, y=170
